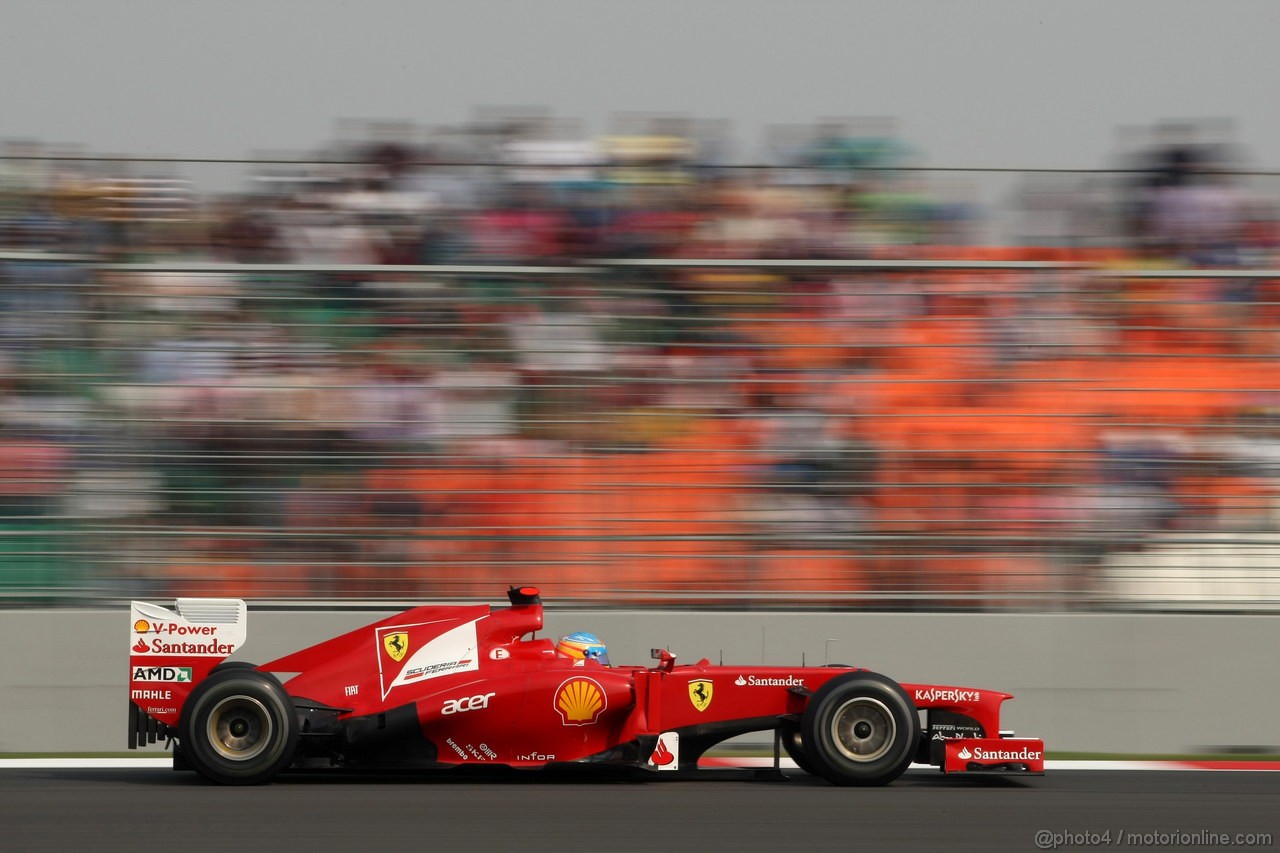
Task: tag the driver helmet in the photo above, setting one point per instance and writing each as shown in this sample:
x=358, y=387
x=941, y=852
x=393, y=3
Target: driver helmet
x=583, y=645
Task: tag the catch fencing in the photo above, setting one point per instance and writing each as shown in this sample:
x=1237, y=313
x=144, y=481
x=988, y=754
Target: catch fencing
x=971, y=429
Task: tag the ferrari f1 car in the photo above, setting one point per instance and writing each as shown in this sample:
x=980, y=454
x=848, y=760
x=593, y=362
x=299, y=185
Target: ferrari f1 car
x=453, y=685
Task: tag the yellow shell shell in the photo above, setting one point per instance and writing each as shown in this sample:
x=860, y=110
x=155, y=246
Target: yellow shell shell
x=580, y=701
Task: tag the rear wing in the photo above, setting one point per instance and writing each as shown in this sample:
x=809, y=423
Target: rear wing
x=173, y=650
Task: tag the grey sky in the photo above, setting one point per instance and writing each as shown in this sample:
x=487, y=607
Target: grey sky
x=1019, y=83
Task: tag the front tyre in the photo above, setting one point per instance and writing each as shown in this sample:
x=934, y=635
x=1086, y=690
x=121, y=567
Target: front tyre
x=238, y=727
x=793, y=743
x=860, y=729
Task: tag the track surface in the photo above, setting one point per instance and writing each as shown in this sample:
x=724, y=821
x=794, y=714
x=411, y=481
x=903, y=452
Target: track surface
x=140, y=810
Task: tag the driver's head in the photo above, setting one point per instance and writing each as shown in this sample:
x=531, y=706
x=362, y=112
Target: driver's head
x=582, y=645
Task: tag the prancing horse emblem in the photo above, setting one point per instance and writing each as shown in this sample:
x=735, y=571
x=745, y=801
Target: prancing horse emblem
x=700, y=693
x=396, y=645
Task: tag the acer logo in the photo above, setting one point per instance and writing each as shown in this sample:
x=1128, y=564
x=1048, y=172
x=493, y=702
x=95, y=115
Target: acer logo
x=467, y=703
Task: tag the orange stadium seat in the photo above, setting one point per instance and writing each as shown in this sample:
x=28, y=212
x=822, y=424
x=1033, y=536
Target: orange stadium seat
x=211, y=578
x=985, y=580
x=806, y=576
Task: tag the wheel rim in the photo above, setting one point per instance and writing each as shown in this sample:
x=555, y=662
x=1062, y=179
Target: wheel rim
x=863, y=729
x=240, y=728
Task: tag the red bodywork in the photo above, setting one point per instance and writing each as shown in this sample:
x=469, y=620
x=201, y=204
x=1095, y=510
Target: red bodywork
x=469, y=684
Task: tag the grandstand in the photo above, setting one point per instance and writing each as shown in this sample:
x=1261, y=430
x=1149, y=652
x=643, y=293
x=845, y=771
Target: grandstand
x=628, y=374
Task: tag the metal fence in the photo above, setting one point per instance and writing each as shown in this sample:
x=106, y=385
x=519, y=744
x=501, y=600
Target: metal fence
x=952, y=433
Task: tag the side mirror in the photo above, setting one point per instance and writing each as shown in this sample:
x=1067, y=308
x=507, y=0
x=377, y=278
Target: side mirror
x=666, y=660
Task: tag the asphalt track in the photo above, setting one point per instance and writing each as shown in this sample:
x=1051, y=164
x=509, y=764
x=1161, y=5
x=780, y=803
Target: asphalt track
x=144, y=809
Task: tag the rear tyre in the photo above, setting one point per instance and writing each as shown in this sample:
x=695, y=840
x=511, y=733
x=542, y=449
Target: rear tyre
x=232, y=664
x=238, y=727
x=860, y=729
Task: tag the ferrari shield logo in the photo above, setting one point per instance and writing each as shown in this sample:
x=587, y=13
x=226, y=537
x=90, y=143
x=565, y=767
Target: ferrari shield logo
x=396, y=644
x=700, y=693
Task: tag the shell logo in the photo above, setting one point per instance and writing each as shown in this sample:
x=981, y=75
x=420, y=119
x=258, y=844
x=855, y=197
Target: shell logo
x=142, y=626
x=580, y=701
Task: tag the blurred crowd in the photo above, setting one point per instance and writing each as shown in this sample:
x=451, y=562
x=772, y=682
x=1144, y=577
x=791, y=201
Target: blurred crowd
x=477, y=380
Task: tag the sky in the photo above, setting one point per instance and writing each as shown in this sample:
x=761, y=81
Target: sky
x=1022, y=83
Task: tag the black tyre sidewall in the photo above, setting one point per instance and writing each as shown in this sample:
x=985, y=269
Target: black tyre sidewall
x=793, y=745
x=826, y=758
x=193, y=727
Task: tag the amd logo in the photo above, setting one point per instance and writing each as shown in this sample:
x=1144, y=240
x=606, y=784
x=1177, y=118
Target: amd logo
x=467, y=703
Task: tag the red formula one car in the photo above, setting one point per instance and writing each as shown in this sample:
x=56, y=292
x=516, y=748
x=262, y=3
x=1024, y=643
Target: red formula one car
x=451, y=685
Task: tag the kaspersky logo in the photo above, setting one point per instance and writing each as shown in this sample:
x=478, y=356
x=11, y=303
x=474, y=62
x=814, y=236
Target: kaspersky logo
x=948, y=694
x=580, y=701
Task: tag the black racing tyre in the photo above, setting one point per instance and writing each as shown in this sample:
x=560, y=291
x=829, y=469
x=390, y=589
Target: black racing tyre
x=233, y=664
x=860, y=729
x=793, y=745
x=238, y=727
